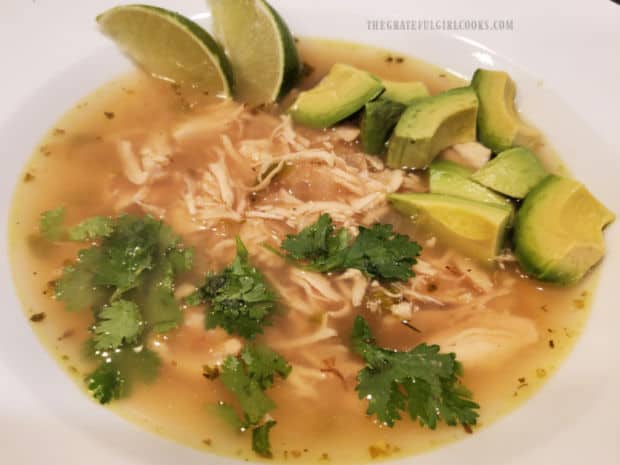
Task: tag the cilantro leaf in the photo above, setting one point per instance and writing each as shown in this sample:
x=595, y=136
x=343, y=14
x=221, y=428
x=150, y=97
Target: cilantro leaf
x=127, y=279
x=422, y=381
x=260, y=439
x=92, y=228
x=227, y=414
x=155, y=294
x=238, y=297
x=318, y=244
x=260, y=434
x=263, y=364
x=377, y=251
x=115, y=376
x=138, y=363
x=119, y=323
x=51, y=224
x=181, y=260
x=155, y=291
x=127, y=252
x=106, y=383
x=381, y=253
x=76, y=286
x=237, y=378
x=249, y=374
x=138, y=259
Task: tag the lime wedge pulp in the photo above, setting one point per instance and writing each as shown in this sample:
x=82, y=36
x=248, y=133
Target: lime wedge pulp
x=169, y=46
x=260, y=47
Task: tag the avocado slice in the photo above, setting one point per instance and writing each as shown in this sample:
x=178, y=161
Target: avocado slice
x=499, y=125
x=404, y=92
x=380, y=117
x=342, y=92
x=450, y=178
x=558, y=230
x=431, y=124
x=514, y=172
x=475, y=228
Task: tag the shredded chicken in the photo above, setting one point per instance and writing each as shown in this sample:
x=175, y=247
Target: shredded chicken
x=322, y=333
x=486, y=339
x=214, y=121
x=263, y=185
x=148, y=164
x=472, y=154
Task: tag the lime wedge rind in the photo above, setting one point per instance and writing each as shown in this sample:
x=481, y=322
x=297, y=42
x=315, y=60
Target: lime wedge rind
x=260, y=47
x=292, y=64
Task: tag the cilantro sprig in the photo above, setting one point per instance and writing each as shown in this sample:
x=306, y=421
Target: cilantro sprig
x=118, y=371
x=260, y=438
x=248, y=375
x=238, y=297
x=378, y=252
x=119, y=323
x=92, y=229
x=126, y=277
x=51, y=224
x=52, y=227
x=135, y=258
x=422, y=382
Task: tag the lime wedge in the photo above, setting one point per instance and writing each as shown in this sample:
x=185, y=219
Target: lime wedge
x=169, y=46
x=260, y=47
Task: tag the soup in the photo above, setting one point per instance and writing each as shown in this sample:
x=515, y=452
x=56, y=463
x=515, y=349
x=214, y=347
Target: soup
x=215, y=170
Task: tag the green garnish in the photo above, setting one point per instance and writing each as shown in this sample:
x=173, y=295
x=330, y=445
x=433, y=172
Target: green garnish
x=238, y=297
x=227, y=414
x=421, y=381
x=52, y=227
x=260, y=439
x=378, y=252
x=106, y=383
x=92, y=228
x=118, y=371
x=76, y=287
x=319, y=246
x=137, y=259
x=127, y=252
x=51, y=224
x=248, y=376
x=127, y=279
x=119, y=323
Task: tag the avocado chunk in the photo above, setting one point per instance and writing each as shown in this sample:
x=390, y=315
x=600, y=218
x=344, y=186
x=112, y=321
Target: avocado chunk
x=450, y=178
x=558, y=230
x=342, y=92
x=432, y=124
x=380, y=116
x=475, y=228
x=404, y=92
x=499, y=125
x=378, y=121
x=514, y=172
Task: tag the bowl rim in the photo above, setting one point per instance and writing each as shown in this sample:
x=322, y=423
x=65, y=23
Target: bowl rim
x=538, y=431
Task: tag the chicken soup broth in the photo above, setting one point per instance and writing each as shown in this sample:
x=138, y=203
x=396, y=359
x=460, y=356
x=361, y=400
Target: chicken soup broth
x=215, y=169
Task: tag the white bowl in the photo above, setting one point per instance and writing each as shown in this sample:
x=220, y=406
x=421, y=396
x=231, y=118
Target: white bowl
x=567, y=70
